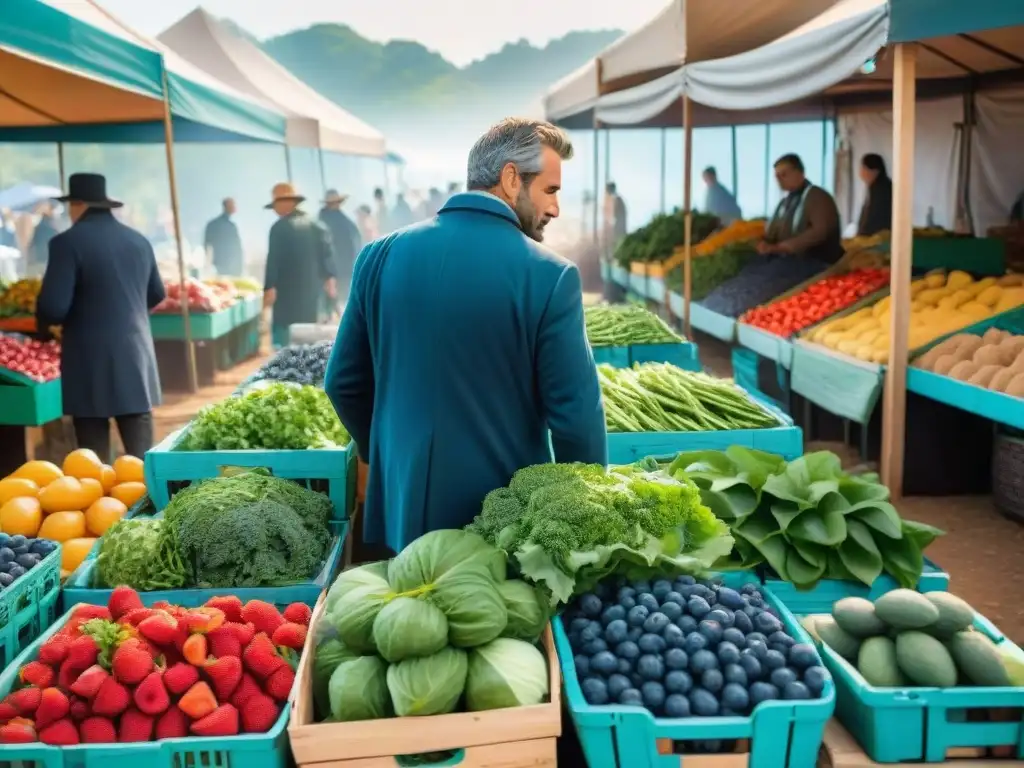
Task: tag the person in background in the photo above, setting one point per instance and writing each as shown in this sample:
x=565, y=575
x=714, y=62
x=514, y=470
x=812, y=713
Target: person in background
x=223, y=243
x=876, y=213
x=719, y=201
x=401, y=214
x=367, y=226
x=433, y=203
x=46, y=229
x=451, y=370
x=381, y=211
x=453, y=189
x=346, y=240
x=615, y=229
x=806, y=221
x=300, y=265
x=101, y=282
x=7, y=237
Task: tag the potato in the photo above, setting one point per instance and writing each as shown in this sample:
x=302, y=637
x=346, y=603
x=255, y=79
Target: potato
x=932, y=296
x=990, y=296
x=991, y=354
x=1018, y=365
x=975, y=310
x=968, y=344
x=975, y=288
x=1016, y=386
x=999, y=382
x=945, y=364
x=935, y=279
x=958, y=280
x=963, y=370
x=993, y=336
x=1011, y=280
x=984, y=375
x=1015, y=345
x=928, y=359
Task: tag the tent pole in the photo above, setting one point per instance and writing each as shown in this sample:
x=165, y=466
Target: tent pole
x=664, y=132
x=597, y=184
x=824, y=150
x=288, y=164
x=688, y=213
x=735, y=166
x=61, y=169
x=190, y=352
x=767, y=166
x=323, y=172
x=895, y=395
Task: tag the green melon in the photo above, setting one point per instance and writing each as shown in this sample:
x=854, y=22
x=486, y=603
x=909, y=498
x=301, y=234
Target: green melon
x=837, y=638
x=876, y=662
x=978, y=659
x=954, y=614
x=925, y=660
x=905, y=609
x=857, y=616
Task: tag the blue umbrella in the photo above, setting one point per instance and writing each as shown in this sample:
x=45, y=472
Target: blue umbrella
x=26, y=195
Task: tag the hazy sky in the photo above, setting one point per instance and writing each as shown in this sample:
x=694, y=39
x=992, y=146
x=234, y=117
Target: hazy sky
x=461, y=30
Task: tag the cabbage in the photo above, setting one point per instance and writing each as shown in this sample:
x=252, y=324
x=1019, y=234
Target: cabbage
x=353, y=616
x=527, y=612
x=369, y=575
x=475, y=609
x=327, y=657
x=505, y=673
x=358, y=690
x=407, y=627
x=431, y=685
x=434, y=554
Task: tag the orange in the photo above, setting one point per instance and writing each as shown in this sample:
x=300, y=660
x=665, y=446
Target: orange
x=128, y=493
x=66, y=493
x=102, y=514
x=82, y=463
x=108, y=478
x=61, y=526
x=14, y=487
x=93, y=490
x=42, y=473
x=73, y=553
x=129, y=469
x=21, y=515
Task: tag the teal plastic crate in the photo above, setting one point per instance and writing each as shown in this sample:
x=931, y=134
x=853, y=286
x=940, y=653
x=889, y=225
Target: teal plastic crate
x=331, y=471
x=29, y=607
x=824, y=595
x=265, y=750
x=78, y=587
x=620, y=276
x=617, y=357
x=898, y=725
x=782, y=734
x=682, y=355
x=765, y=344
x=29, y=403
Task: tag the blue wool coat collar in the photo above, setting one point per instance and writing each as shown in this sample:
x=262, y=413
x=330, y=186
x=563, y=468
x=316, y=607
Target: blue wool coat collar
x=481, y=202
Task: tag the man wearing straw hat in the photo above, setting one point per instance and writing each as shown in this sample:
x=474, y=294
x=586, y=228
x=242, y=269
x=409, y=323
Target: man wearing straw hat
x=346, y=240
x=101, y=282
x=299, y=265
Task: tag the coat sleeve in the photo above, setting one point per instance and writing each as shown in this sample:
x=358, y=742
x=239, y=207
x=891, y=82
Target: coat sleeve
x=349, y=381
x=567, y=377
x=274, y=256
x=325, y=251
x=58, y=288
x=155, y=291
x=822, y=220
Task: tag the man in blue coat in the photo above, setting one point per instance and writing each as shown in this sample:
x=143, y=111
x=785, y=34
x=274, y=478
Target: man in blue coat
x=463, y=345
x=101, y=282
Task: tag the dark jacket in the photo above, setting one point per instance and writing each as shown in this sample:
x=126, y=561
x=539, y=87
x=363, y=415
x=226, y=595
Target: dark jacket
x=223, y=239
x=876, y=213
x=808, y=219
x=347, y=242
x=299, y=261
x=100, y=284
x=39, y=248
x=461, y=349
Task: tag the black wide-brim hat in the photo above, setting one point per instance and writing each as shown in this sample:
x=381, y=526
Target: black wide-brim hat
x=89, y=188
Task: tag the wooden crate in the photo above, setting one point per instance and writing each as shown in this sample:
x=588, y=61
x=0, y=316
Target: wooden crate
x=524, y=737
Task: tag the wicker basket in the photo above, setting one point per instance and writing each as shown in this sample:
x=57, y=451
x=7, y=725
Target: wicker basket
x=1008, y=475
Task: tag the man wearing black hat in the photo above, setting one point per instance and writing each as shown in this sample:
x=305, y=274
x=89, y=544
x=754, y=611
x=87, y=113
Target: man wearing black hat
x=346, y=240
x=101, y=282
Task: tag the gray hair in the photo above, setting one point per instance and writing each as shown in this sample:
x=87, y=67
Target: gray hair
x=514, y=140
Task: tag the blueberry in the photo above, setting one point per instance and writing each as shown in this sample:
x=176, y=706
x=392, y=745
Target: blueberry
x=591, y=605
x=661, y=588
x=781, y=677
x=674, y=597
x=774, y=660
x=702, y=661
x=656, y=622
x=695, y=642
x=730, y=598
x=7, y=555
x=780, y=648
x=759, y=649
x=625, y=592
x=674, y=637
x=6, y=579
x=653, y=693
x=698, y=607
x=751, y=666
x=762, y=692
x=616, y=685
x=671, y=611
x=728, y=653
x=677, y=706
x=595, y=691
x=16, y=571
x=28, y=561
x=686, y=580
x=781, y=638
x=613, y=613
x=815, y=679
x=625, y=666
x=736, y=697
x=749, y=589
x=592, y=632
x=712, y=680
x=736, y=637
x=687, y=624
x=756, y=636
x=648, y=601
x=676, y=658
x=796, y=691
x=637, y=616
x=703, y=703
x=642, y=586
x=803, y=656
x=650, y=667
x=616, y=632
x=5, y=540
x=631, y=697
x=650, y=643
x=582, y=665
x=734, y=673
x=18, y=541
x=742, y=622
x=604, y=663
x=577, y=625
x=766, y=623
x=628, y=603
x=722, y=616
x=712, y=630
x=678, y=681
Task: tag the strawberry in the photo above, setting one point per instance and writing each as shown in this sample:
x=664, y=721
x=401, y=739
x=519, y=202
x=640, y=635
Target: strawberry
x=151, y=696
x=131, y=663
x=62, y=733
x=136, y=616
x=229, y=604
x=83, y=613
x=290, y=636
x=194, y=650
x=180, y=677
x=264, y=616
x=223, y=721
x=261, y=657
x=298, y=613
x=66, y=676
x=38, y=674
x=53, y=705
x=26, y=700
x=225, y=674
x=160, y=628
x=22, y=732
x=79, y=709
x=54, y=650
x=259, y=714
x=89, y=682
x=82, y=652
x=112, y=699
x=203, y=619
x=172, y=724
x=279, y=684
x=247, y=688
x=123, y=600
x=7, y=712
x=135, y=726
x=224, y=642
x=97, y=730
x=198, y=701
x=244, y=632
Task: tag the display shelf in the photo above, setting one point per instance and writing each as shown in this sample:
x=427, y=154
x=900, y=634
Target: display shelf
x=842, y=385
x=711, y=323
x=205, y=326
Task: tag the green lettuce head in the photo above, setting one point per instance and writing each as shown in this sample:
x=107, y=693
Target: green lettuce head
x=358, y=690
x=431, y=685
x=506, y=673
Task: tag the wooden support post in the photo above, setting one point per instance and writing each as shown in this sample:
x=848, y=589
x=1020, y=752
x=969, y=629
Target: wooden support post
x=61, y=168
x=894, y=404
x=288, y=164
x=664, y=132
x=688, y=213
x=323, y=171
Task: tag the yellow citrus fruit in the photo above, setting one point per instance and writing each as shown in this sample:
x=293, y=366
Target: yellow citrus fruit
x=83, y=463
x=65, y=493
x=108, y=478
x=21, y=515
x=102, y=514
x=42, y=473
x=61, y=526
x=74, y=551
x=15, y=487
x=128, y=493
x=129, y=469
x=93, y=490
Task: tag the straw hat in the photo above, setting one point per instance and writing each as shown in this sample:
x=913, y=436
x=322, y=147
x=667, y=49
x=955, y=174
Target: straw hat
x=333, y=196
x=284, y=191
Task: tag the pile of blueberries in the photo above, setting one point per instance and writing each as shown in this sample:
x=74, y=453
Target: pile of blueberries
x=683, y=648
x=19, y=555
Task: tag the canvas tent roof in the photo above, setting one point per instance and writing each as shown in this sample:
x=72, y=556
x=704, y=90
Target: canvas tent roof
x=686, y=30
x=313, y=121
x=71, y=72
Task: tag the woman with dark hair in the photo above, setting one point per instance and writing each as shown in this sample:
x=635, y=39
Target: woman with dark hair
x=876, y=214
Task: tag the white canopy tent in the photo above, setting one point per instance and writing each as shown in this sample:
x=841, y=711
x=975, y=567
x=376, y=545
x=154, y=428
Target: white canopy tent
x=312, y=121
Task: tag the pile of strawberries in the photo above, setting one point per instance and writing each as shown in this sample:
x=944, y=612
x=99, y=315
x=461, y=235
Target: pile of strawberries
x=127, y=673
